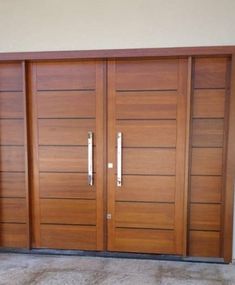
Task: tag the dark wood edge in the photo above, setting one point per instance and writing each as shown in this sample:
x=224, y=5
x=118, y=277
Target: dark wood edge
x=119, y=53
x=230, y=173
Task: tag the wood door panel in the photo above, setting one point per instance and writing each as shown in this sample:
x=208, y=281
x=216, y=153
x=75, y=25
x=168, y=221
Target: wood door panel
x=66, y=185
x=147, y=74
x=147, y=189
x=13, y=210
x=66, y=75
x=63, y=158
x=69, y=211
x=206, y=189
x=12, y=184
x=204, y=244
x=208, y=103
x=148, y=133
x=144, y=215
x=11, y=105
x=145, y=240
x=146, y=105
x=149, y=161
x=12, y=158
x=68, y=237
x=13, y=235
x=208, y=133
x=66, y=104
x=12, y=132
x=205, y=217
x=11, y=77
x=65, y=131
x=210, y=72
x=207, y=161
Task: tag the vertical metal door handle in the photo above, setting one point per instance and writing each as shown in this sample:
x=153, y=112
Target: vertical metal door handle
x=119, y=159
x=90, y=158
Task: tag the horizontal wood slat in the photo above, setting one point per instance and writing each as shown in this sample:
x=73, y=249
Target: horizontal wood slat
x=11, y=132
x=13, y=210
x=12, y=184
x=65, y=131
x=207, y=161
x=147, y=189
x=204, y=244
x=59, y=211
x=149, y=161
x=206, y=189
x=144, y=215
x=147, y=74
x=208, y=103
x=10, y=77
x=12, y=158
x=145, y=240
x=66, y=185
x=66, y=75
x=208, y=132
x=210, y=72
x=148, y=133
x=68, y=237
x=66, y=104
x=11, y=105
x=13, y=235
x=205, y=217
x=146, y=105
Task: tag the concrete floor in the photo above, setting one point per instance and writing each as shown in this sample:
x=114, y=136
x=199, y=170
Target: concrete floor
x=42, y=269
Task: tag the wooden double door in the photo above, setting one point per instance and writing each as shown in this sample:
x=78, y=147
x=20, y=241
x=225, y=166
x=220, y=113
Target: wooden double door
x=120, y=154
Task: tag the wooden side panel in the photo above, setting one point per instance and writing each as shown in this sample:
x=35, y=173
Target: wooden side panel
x=13, y=235
x=12, y=184
x=11, y=105
x=10, y=77
x=13, y=210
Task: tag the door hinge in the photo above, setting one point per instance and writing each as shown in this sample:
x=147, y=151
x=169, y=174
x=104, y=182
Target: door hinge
x=109, y=216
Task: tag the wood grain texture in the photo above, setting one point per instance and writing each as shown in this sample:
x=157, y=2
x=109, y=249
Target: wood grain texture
x=66, y=75
x=68, y=237
x=12, y=132
x=208, y=133
x=205, y=217
x=207, y=161
x=144, y=215
x=10, y=77
x=148, y=133
x=69, y=211
x=145, y=241
x=152, y=161
x=12, y=158
x=147, y=74
x=147, y=189
x=210, y=72
x=206, y=189
x=66, y=185
x=208, y=103
x=146, y=105
x=66, y=104
x=12, y=184
x=65, y=131
x=11, y=105
x=13, y=235
x=204, y=244
x=13, y=210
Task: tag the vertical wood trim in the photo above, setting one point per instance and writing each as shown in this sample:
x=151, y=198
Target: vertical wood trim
x=34, y=171
x=111, y=152
x=187, y=154
x=100, y=151
x=26, y=153
x=180, y=155
x=230, y=173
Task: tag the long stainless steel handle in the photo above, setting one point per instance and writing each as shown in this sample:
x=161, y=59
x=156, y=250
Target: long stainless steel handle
x=90, y=158
x=119, y=159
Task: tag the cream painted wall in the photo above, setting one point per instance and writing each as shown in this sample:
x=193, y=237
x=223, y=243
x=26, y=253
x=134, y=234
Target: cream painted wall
x=37, y=25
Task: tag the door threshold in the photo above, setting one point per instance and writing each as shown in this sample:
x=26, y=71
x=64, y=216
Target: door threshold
x=114, y=254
